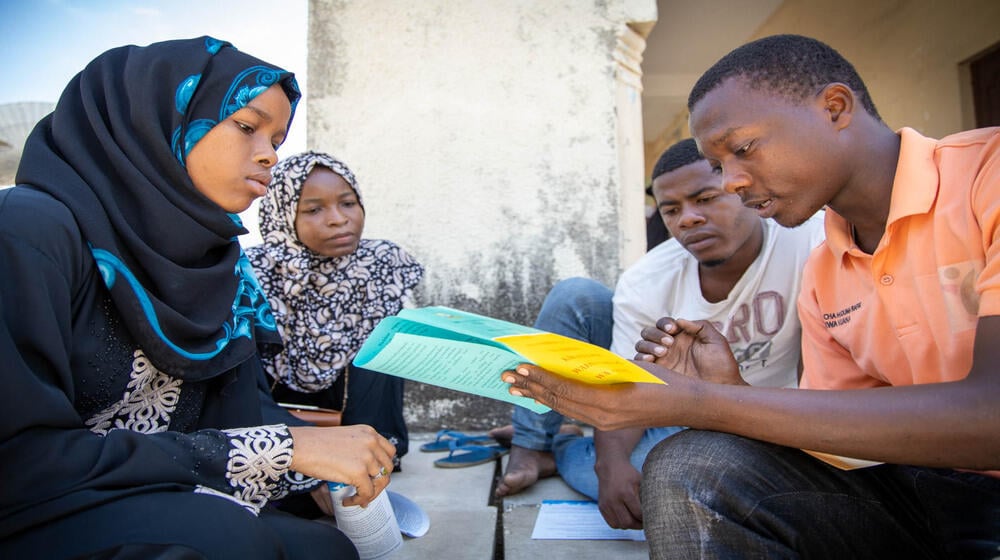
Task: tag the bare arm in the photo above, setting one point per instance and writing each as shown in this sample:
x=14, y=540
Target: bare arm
x=939, y=425
x=617, y=480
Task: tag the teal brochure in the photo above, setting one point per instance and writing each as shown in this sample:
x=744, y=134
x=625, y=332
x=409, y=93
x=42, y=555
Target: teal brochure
x=447, y=348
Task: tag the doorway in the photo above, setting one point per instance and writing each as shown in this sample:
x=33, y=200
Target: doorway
x=984, y=70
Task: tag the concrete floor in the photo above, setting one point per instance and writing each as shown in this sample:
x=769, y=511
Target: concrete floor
x=467, y=524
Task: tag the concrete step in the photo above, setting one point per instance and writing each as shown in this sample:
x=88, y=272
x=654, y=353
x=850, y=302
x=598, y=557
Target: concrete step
x=467, y=524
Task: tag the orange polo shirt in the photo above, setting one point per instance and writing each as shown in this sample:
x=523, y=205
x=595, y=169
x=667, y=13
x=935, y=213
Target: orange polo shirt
x=907, y=314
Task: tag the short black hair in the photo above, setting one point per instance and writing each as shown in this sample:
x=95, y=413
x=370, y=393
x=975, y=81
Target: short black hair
x=794, y=66
x=680, y=154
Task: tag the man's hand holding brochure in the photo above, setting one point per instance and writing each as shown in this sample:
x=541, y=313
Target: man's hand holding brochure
x=467, y=352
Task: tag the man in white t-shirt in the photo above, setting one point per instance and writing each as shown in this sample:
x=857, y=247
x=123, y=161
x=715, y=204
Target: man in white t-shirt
x=724, y=264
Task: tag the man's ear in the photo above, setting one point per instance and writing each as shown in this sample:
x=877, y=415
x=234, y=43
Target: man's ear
x=839, y=102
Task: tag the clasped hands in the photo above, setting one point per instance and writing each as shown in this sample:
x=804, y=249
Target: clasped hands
x=682, y=353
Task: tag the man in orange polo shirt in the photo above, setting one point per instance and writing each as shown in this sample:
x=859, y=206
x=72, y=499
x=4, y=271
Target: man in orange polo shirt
x=902, y=301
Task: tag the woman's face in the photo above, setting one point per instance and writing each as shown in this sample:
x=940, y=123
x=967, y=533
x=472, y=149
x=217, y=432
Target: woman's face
x=329, y=219
x=230, y=164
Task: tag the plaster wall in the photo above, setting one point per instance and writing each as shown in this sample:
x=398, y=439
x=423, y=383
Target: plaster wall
x=912, y=55
x=499, y=142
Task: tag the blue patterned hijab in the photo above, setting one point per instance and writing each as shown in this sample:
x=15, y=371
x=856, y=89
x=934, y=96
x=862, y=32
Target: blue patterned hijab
x=114, y=152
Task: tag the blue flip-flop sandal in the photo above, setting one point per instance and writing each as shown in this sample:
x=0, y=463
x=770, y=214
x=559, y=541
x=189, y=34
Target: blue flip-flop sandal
x=446, y=437
x=469, y=455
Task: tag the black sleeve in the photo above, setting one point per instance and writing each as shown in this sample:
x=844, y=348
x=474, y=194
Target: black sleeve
x=52, y=462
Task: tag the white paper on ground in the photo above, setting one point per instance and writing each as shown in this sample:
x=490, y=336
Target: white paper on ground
x=412, y=519
x=577, y=520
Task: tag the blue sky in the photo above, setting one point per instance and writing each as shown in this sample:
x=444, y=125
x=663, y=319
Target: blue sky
x=46, y=42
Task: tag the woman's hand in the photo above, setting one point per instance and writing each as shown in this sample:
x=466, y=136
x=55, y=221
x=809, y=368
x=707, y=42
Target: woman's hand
x=355, y=455
x=691, y=348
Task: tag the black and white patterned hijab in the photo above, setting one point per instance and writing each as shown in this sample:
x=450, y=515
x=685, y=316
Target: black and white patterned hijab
x=325, y=307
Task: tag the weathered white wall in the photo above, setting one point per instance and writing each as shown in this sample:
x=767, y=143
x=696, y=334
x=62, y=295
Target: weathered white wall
x=492, y=139
x=498, y=141
x=909, y=52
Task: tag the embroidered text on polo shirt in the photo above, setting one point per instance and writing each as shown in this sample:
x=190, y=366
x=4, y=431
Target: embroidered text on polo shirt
x=841, y=317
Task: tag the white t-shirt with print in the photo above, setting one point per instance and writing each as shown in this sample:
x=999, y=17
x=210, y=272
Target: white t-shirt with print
x=758, y=317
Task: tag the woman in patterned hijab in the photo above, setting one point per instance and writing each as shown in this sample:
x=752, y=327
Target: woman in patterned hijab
x=328, y=289
x=134, y=420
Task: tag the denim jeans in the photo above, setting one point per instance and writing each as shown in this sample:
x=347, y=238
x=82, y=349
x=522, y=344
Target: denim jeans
x=715, y=495
x=579, y=308
x=575, y=457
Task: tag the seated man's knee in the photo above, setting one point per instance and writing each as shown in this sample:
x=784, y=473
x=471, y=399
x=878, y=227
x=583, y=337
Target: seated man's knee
x=583, y=296
x=579, y=288
x=692, y=464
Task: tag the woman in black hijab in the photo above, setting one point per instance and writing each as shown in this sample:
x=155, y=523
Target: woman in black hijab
x=134, y=418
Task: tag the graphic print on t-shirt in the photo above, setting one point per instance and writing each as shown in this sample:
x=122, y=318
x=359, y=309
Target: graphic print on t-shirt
x=751, y=327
